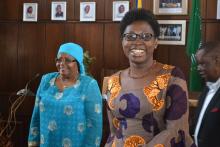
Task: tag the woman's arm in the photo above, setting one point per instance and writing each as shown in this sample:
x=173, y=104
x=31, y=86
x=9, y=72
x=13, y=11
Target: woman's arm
x=93, y=112
x=111, y=127
x=176, y=132
x=34, y=131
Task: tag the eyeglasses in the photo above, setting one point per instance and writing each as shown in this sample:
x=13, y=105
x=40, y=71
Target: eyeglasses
x=64, y=60
x=134, y=36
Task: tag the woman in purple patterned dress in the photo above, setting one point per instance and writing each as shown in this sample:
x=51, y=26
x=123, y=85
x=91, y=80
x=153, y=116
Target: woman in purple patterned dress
x=147, y=102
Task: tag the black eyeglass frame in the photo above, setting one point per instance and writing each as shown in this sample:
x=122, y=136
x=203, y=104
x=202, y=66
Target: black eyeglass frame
x=66, y=60
x=140, y=36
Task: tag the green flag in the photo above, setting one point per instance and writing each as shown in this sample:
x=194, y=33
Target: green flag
x=193, y=43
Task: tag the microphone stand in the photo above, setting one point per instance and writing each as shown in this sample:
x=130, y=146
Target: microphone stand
x=7, y=130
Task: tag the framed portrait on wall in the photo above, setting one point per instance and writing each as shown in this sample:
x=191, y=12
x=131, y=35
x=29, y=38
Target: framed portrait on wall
x=218, y=10
x=30, y=11
x=172, y=32
x=58, y=10
x=87, y=11
x=119, y=9
x=170, y=7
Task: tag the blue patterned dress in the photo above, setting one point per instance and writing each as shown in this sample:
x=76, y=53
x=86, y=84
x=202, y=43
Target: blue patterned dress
x=68, y=118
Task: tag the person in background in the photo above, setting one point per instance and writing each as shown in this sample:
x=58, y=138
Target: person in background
x=59, y=12
x=207, y=116
x=68, y=106
x=148, y=101
x=87, y=9
x=29, y=12
x=121, y=9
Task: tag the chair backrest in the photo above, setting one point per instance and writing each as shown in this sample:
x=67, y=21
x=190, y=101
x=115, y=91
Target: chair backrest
x=104, y=84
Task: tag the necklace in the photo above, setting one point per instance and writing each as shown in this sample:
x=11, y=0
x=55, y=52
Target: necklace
x=67, y=83
x=144, y=75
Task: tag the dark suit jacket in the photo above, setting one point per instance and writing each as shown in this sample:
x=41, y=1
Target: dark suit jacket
x=209, y=133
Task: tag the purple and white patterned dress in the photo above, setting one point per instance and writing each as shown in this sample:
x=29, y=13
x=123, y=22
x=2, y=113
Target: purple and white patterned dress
x=149, y=113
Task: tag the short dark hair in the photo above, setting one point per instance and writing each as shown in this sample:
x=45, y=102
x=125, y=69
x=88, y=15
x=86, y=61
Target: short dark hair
x=140, y=15
x=211, y=47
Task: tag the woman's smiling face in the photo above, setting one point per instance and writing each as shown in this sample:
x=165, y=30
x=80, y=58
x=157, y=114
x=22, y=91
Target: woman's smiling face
x=66, y=65
x=141, y=49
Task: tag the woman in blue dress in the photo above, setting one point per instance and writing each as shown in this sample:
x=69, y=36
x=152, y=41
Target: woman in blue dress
x=68, y=105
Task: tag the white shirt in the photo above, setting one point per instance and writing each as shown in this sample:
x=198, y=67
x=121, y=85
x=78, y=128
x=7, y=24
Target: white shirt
x=213, y=87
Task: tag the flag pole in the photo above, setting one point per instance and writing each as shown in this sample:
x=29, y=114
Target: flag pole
x=194, y=40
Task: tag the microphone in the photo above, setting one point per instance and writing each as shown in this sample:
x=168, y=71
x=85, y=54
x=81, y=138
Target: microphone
x=26, y=91
x=8, y=129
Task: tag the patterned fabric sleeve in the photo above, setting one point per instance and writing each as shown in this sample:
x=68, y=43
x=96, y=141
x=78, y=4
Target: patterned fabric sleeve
x=93, y=110
x=34, y=131
x=112, y=129
x=176, y=133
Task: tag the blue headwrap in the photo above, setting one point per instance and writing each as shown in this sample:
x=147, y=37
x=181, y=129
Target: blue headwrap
x=75, y=51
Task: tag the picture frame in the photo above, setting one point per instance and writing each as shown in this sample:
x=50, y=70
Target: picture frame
x=87, y=11
x=172, y=32
x=218, y=10
x=119, y=9
x=170, y=7
x=30, y=11
x=58, y=10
